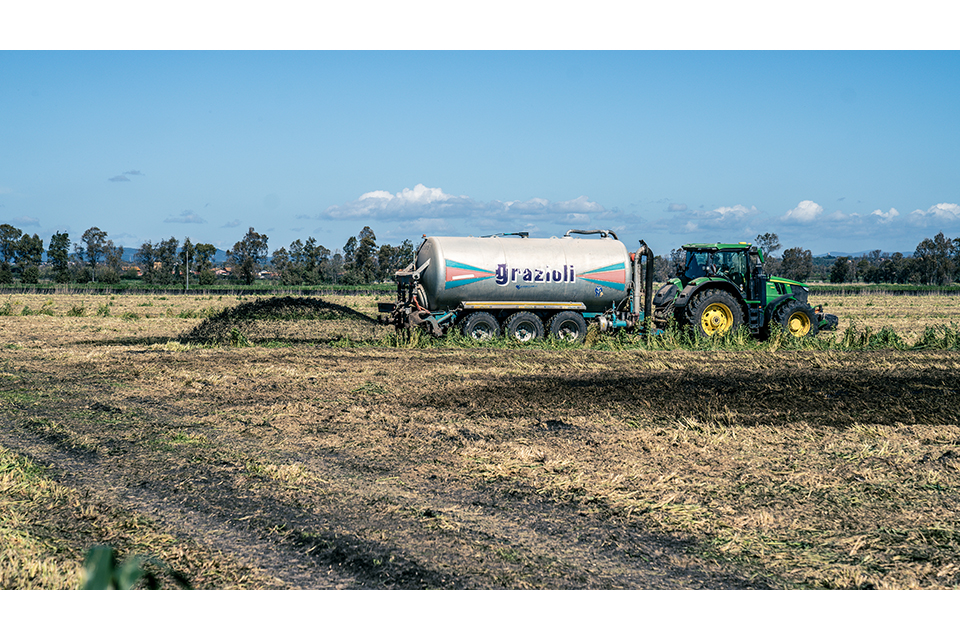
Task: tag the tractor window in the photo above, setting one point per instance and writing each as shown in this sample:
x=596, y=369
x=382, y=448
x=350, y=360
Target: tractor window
x=696, y=265
x=731, y=262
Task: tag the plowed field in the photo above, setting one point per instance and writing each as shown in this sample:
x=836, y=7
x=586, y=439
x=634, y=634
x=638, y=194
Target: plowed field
x=319, y=458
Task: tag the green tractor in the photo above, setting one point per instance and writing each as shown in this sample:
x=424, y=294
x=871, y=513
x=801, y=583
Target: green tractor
x=722, y=286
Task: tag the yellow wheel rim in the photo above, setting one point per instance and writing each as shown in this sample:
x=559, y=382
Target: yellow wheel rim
x=798, y=324
x=716, y=318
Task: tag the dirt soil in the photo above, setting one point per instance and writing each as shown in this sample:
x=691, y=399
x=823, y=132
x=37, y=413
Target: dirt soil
x=313, y=465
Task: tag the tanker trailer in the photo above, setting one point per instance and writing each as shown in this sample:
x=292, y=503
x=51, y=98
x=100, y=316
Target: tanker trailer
x=522, y=287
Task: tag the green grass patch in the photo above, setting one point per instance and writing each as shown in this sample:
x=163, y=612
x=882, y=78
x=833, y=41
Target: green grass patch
x=853, y=338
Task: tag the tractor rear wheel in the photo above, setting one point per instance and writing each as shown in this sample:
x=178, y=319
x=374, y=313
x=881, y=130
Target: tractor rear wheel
x=568, y=325
x=714, y=312
x=480, y=325
x=523, y=327
x=797, y=319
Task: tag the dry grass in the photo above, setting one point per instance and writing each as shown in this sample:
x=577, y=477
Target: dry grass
x=907, y=315
x=471, y=467
x=47, y=526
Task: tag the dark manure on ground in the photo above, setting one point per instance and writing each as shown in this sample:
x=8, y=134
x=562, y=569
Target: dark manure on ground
x=286, y=319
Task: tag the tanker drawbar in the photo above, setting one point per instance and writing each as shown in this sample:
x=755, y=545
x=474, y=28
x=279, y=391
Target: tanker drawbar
x=522, y=287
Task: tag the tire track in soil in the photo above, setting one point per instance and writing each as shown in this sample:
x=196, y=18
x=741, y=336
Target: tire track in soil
x=83, y=472
x=485, y=521
x=329, y=545
x=602, y=554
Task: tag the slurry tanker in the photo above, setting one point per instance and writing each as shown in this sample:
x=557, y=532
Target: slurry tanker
x=528, y=288
x=525, y=288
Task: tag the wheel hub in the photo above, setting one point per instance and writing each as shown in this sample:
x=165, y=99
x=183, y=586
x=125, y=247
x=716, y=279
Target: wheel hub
x=799, y=324
x=716, y=318
x=525, y=333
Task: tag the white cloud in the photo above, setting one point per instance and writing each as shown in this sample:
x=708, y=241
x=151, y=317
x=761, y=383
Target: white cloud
x=676, y=206
x=577, y=205
x=733, y=220
x=25, y=221
x=186, y=217
x=885, y=217
x=431, y=204
x=943, y=213
x=806, y=211
x=419, y=202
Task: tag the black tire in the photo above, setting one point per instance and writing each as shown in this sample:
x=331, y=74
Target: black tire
x=480, y=325
x=568, y=325
x=797, y=319
x=714, y=312
x=523, y=326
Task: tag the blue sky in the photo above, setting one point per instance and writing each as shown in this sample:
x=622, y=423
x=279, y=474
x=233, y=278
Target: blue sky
x=831, y=150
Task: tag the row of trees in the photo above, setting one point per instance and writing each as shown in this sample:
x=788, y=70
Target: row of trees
x=22, y=254
x=361, y=261
x=936, y=261
x=167, y=262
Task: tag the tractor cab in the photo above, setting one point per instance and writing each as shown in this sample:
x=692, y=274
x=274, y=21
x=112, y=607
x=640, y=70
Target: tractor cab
x=732, y=262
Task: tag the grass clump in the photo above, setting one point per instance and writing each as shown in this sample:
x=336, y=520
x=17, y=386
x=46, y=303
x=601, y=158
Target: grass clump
x=939, y=337
x=237, y=339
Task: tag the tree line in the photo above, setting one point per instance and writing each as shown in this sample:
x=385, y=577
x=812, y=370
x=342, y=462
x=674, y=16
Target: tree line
x=95, y=258
x=935, y=262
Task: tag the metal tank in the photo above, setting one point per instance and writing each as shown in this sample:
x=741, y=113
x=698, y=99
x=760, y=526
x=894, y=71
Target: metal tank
x=594, y=271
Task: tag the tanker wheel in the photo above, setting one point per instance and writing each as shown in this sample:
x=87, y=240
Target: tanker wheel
x=714, y=312
x=568, y=325
x=523, y=327
x=480, y=325
x=797, y=319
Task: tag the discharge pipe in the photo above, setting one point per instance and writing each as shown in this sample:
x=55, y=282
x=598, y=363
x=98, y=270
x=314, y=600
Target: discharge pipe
x=644, y=250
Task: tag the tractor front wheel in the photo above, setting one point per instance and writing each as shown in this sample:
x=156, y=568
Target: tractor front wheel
x=797, y=319
x=714, y=312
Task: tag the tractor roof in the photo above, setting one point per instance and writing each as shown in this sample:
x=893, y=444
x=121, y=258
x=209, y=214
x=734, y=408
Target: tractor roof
x=716, y=246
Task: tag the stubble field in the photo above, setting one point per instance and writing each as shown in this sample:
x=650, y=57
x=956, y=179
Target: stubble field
x=303, y=448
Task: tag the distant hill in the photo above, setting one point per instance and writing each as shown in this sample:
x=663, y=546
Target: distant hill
x=858, y=254
x=129, y=252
